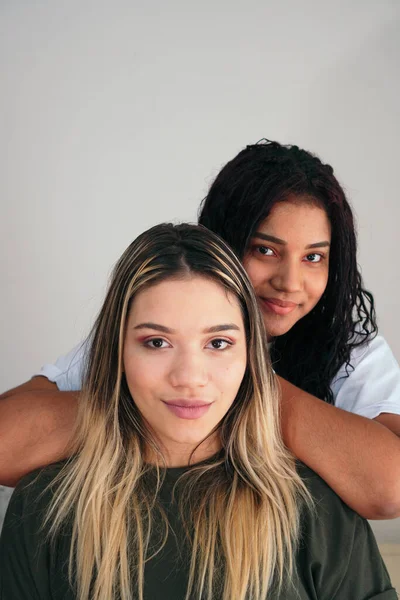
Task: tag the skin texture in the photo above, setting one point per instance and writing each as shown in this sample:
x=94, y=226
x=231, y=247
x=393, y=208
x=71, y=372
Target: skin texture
x=288, y=263
x=36, y=423
x=346, y=450
x=390, y=421
x=188, y=349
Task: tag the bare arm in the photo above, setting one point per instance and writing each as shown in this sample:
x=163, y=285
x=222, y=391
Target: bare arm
x=358, y=457
x=36, y=421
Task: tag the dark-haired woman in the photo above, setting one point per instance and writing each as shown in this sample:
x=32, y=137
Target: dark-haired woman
x=286, y=216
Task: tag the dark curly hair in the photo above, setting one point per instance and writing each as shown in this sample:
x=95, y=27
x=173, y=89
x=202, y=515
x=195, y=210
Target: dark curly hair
x=310, y=354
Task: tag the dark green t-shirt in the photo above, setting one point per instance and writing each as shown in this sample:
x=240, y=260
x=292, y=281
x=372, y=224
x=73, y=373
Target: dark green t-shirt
x=337, y=559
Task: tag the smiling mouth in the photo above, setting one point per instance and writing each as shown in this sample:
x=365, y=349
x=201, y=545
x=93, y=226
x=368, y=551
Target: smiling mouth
x=278, y=307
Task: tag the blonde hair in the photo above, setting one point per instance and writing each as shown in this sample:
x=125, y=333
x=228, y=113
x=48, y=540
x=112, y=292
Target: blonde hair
x=245, y=522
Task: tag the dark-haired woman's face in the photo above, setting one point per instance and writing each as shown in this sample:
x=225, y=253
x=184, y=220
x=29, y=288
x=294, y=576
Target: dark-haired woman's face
x=288, y=263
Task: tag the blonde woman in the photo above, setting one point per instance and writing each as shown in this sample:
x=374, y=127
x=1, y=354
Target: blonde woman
x=179, y=486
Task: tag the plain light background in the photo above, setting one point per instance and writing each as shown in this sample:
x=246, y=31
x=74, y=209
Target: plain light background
x=117, y=115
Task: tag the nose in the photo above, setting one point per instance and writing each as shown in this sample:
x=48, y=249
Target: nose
x=189, y=370
x=288, y=277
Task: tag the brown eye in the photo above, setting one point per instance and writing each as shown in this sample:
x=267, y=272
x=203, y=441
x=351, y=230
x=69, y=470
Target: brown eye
x=265, y=251
x=219, y=344
x=314, y=257
x=156, y=343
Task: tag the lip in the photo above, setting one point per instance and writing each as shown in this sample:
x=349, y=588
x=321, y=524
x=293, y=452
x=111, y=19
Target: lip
x=188, y=409
x=279, y=307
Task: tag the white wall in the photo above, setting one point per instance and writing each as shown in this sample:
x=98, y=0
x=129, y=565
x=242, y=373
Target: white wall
x=116, y=115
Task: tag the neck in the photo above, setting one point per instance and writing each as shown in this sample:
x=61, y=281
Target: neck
x=180, y=454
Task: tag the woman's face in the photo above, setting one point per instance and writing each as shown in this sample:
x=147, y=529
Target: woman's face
x=184, y=361
x=288, y=262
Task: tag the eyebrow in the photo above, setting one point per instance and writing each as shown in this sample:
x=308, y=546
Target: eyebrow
x=275, y=240
x=163, y=329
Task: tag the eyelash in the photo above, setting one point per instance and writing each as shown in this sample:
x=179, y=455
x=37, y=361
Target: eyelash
x=322, y=257
x=229, y=342
x=258, y=247
x=258, y=250
x=147, y=343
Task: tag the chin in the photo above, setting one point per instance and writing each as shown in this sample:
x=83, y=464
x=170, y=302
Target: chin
x=187, y=439
x=276, y=329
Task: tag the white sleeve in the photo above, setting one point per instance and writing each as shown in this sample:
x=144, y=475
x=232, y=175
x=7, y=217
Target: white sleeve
x=373, y=387
x=67, y=371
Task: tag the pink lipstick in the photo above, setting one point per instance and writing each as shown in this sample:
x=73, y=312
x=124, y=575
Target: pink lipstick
x=188, y=409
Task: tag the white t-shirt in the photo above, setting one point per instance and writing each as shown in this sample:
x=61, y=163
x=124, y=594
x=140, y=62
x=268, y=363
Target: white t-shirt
x=371, y=388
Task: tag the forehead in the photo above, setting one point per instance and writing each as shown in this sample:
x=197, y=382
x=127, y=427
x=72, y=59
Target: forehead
x=193, y=302
x=300, y=218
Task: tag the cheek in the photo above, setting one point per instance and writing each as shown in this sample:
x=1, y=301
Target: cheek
x=229, y=378
x=318, y=286
x=254, y=270
x=139, y=376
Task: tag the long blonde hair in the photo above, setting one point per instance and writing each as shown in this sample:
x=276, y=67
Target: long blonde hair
x=245, y=522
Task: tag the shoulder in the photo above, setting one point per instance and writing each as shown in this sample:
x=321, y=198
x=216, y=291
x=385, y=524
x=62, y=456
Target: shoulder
x=39, y=478
x=31, y=566
x=23, y=525
x=67, y=371
x=370, y=384
x=33, y=493
x=328, y=510
x=338, y=554
x=376, y=348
